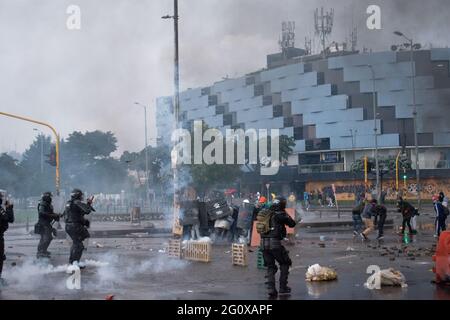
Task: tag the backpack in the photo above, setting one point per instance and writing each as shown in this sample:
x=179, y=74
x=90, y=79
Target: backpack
x=358, y=209
x=263, y=221
x=446, y=211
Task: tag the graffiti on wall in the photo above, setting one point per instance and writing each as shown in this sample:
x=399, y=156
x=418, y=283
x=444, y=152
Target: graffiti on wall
x=347, y=190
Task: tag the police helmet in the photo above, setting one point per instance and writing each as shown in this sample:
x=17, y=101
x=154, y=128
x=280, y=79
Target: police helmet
x=279, y=203
x=76, y=194
x=47, y=196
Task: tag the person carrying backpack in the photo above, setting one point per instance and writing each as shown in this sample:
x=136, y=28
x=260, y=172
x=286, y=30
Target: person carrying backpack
x=407, y=211
x=271, y=225
x=380, y=212
x=441, y=215
x=357, y=220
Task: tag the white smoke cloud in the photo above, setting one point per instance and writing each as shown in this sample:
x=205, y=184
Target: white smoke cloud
x=110, y=270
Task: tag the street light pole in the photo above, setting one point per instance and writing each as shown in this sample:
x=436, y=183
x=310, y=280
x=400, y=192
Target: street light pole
x=375, y=129
x=57, y=173
x=353, y=133
x=146, y=150
x=416, y=140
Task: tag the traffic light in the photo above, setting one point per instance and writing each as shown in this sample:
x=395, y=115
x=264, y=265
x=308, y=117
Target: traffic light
x=51, y=157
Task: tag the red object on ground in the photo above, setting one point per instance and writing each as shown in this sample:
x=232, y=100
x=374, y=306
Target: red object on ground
x=109, y=297
x=230, y=191
x=442, y=258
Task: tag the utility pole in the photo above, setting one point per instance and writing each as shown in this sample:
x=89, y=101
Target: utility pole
x=176, y=101
x=146, y=151
x=375, y=129
x=413, y=46
x=353, y=133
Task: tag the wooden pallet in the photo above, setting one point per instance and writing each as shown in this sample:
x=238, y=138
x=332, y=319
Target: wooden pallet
x=175, y=248
x=239, y=254
x=197, y=251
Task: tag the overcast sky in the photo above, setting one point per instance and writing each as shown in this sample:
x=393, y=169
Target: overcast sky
x=88, y=79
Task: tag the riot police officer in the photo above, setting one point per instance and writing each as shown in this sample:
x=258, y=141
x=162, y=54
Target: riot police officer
x=274, y=251
x=76, y=225
x=6, y=217
x=44, y=225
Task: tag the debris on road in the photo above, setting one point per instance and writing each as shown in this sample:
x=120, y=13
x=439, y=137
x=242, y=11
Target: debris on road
x=349, y=249
x=319, y=273
x=346, y=257
x=98, y=245
x=109, y=297
x=387, y=277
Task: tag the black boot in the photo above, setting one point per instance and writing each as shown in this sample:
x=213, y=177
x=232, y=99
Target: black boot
x=285, y=290
x=270, y=275
x=284, y=272
x=272, y=293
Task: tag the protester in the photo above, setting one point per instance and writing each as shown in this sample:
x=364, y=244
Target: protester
x=407, y=211
x=320, y=198
x=356, y=216
x=441, y=215
x=367, y=215
x=380, y=212
x=306, y=200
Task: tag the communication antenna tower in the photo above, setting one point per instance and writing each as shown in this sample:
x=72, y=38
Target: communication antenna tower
x=287, y=36
x=308, y=46
x=323, y=23
x=354, y=39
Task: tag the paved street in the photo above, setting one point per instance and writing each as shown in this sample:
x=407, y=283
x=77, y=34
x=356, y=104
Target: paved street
x=137, y=267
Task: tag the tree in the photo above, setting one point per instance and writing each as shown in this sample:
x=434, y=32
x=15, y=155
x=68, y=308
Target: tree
x=86, y=163
x=286, y=144
x=37, y=181
x=204, y=177
x=158, y=164
x=11, y=175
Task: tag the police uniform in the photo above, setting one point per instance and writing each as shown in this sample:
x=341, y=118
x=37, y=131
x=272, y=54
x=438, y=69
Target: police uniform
x=274, y=251
x=76, y=224
x=6, y=217
x=45, y=229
